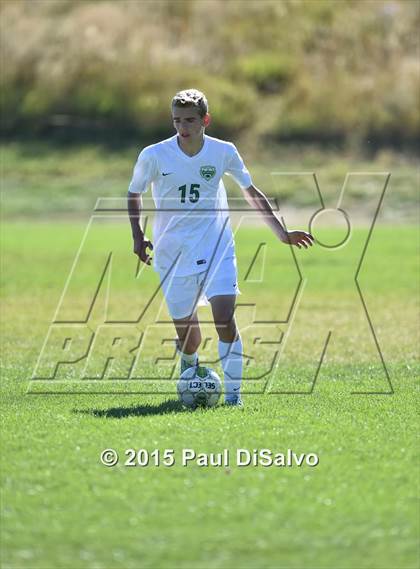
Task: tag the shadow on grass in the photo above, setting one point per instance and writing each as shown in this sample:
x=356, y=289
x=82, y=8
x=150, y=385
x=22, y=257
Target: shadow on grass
x=163, y=408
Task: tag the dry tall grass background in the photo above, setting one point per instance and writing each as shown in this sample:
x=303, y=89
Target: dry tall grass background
x=307, y=70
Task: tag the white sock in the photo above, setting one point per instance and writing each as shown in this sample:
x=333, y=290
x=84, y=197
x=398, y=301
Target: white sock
x=231, y=359
x=190, y=359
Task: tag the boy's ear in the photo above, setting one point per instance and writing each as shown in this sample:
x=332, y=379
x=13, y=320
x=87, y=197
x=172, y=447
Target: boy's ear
x=207, y=120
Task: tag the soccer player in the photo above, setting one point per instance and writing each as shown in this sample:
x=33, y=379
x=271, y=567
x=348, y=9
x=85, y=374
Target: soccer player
x=194, y=250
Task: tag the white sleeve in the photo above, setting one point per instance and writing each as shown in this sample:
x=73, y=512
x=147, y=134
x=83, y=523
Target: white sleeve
x=236, y=168
x=145, y=171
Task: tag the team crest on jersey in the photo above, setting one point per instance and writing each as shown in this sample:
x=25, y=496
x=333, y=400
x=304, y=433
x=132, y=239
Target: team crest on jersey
x=207, y=172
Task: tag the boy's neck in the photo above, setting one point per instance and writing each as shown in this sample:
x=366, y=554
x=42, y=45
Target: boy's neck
x=191, y=148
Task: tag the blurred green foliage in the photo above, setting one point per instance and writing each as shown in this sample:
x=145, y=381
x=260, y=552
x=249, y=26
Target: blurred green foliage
x=282, y=69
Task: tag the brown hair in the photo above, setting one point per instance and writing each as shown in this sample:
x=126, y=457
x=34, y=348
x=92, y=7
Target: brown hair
x=191, y=98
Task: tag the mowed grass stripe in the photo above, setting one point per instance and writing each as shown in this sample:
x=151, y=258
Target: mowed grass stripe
x=357, y=508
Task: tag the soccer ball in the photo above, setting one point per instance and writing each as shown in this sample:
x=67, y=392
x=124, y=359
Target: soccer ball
x=199, y=386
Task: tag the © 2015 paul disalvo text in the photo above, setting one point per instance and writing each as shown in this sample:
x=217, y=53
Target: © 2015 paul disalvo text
x=240, y=457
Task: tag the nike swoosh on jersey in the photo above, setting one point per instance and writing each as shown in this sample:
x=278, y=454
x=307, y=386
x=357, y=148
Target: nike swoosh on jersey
x=166, y=173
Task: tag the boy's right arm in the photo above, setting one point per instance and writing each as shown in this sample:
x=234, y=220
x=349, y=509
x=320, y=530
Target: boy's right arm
x=134, y=205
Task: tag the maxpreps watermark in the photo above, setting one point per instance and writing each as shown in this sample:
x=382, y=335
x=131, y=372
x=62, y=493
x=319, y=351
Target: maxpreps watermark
x=104, y=341
x=240, y=457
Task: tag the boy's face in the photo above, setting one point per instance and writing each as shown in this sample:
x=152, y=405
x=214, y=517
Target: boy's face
x=188, y=123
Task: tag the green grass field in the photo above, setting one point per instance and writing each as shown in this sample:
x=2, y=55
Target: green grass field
x=356, y=509
x=41, y=178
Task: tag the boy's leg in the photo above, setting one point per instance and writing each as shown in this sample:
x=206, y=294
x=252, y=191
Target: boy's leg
x=189, y=339
x=230, y=345
x=181, y=298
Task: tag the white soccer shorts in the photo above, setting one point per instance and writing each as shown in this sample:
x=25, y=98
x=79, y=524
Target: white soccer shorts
x=184, y=294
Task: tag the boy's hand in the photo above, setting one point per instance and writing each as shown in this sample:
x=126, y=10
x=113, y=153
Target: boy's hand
x=298, y=238
x=140, y=246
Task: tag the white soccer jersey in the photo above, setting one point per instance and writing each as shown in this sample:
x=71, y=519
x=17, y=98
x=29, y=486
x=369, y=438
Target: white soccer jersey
x=192, y=227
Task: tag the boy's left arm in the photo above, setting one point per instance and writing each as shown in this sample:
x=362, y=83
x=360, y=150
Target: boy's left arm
x=258, y=201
